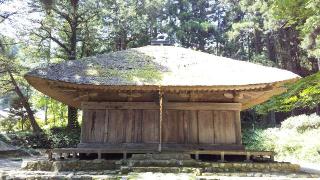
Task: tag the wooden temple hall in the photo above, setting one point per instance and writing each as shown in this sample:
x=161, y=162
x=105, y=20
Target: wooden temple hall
x=160, y=99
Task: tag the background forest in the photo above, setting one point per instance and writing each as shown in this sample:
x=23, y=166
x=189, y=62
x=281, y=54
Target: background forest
x=278, y=33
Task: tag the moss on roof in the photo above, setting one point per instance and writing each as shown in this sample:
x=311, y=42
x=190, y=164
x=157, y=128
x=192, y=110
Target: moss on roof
x=161, y=65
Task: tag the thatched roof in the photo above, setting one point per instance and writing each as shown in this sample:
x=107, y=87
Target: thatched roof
x=188, y=74
x=161, y=66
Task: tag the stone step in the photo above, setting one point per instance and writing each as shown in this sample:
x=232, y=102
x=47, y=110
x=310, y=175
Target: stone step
x=175, y=165
x=161, y=156
x=99, y=175
x=126, y=170
x=163, y=163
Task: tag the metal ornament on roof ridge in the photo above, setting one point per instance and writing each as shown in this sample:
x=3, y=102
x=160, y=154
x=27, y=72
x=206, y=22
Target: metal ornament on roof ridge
x=161, y=40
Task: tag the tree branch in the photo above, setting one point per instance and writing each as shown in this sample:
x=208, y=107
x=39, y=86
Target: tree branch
x=55, y=40
x=312, y=38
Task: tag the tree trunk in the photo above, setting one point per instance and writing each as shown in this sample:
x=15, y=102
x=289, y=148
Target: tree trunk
x=46, y=112
x=72, y=118
x=272, y=120
x=72, y=111
x=270, y=44
x=318, y=109
x=35, y=127
x=258, y=42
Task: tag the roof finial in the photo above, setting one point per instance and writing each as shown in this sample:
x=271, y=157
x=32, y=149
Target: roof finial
x=161, y=40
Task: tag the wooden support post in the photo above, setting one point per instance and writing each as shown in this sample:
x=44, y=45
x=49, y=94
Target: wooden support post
x=49, y=154
x=160, y=119
x=197, y=156
x=99, y=154
x=125, y=155
x=222, y=156
x=272, y=157
x=74, y=155
x=248, y=157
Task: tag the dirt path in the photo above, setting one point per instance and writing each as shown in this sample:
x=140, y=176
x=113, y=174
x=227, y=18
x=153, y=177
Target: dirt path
x=10, y=164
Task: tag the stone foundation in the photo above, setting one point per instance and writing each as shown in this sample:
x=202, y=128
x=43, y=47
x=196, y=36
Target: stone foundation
x=70, y=165
x=152, y=165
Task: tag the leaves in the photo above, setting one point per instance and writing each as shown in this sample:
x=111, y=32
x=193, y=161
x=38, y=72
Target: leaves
x=304, y=93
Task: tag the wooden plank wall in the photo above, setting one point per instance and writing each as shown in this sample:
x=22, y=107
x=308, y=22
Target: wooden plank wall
x=114, y=124
x=120, y=126
x=199, y=127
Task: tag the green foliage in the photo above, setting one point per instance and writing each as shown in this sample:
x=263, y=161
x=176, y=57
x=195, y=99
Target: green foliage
x=56, y=111
x=305, y=15
x=296, y=139
x=262, y=60
x=29, y=140
x=189, y=22
x=60, y=137
x=257, y=139
x=8, y=124
x=304, y=93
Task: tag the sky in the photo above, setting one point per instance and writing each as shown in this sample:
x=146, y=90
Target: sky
x=18, y=22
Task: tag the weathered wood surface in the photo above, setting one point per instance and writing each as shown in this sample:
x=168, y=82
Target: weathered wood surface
x=182, y=124
x=168, y=105
x=120, y=126
x=165, y=146
x=200, y=127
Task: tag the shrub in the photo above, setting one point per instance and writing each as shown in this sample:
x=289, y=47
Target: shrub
x=7, y=124
x=62, y=137
x=29, y=140
x=302, y=123
x=54, y=138
x=297, y=138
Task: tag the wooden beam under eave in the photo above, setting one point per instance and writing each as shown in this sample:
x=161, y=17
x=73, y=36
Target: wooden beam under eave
x=264, y=97
x=85, y=96
x=49, y=88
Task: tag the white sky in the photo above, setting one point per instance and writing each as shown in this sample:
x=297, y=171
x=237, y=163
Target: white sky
x=17, y=22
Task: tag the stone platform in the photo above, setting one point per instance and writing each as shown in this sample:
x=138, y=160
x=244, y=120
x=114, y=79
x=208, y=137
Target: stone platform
x=154, y=165
x=158, y=163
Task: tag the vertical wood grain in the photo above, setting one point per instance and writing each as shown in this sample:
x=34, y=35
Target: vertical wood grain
x=230, y=136
x=237, y=121
x=129, y=125
x=150, y=126
x=206, y=131
x=137, y=126
x=115, y=128
x=98, y=134
x=219, y=128
x=192, y=120
x=106, y=126
x=170, y=126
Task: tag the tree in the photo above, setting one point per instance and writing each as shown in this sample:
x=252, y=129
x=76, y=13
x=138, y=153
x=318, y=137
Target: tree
x=302, y=16
x=132, y=23
x=189, y=22
x=67, y=24
x=8, y=68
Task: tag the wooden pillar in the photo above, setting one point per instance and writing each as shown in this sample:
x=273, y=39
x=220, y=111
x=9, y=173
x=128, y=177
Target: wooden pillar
x=84, y=119
x=238, y=127
x=160, y=119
